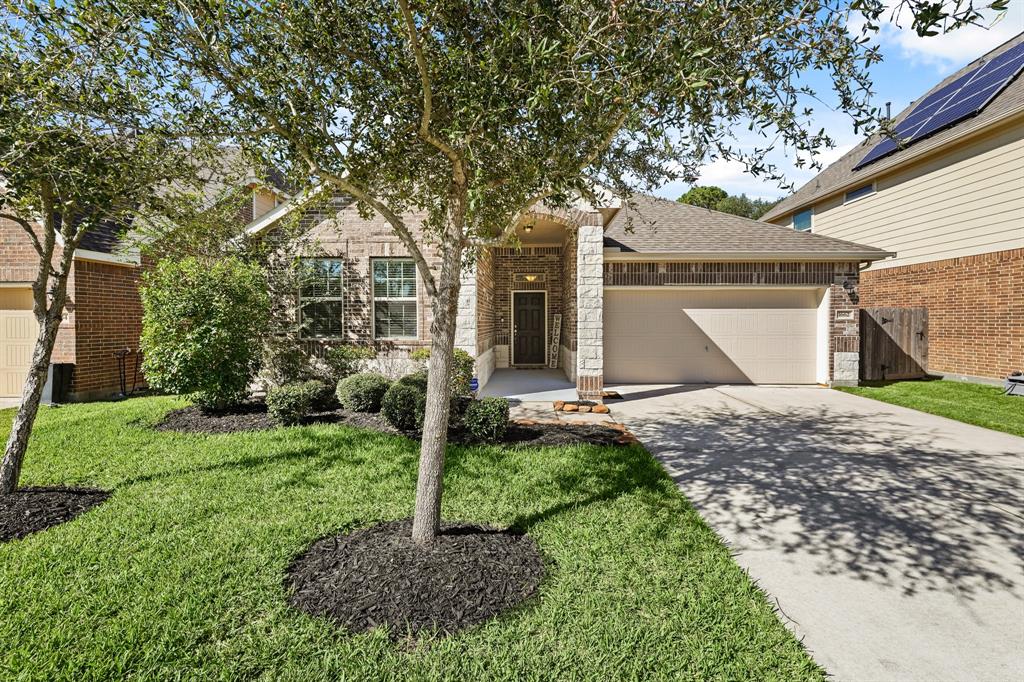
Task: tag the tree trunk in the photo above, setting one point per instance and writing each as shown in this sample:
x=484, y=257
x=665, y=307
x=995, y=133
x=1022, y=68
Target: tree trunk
x=21, y=429
x=430, y=483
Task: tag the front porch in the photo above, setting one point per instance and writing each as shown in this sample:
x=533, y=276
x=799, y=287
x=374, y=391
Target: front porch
x=531, y=313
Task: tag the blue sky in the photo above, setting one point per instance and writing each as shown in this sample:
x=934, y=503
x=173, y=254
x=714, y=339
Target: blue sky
x=911, y=66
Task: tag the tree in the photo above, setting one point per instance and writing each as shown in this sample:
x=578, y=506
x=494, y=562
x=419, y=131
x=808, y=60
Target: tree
x=475, y=112
x=76, y=151
x=707, y=196
x=717, y=199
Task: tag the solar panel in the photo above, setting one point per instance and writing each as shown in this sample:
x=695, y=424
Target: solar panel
x=964, y=97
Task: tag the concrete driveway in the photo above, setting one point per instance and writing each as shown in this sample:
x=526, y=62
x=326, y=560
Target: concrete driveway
x=890, y=539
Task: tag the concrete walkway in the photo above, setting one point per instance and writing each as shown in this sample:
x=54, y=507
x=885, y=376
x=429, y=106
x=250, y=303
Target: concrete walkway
x=530, y=385
x=890, y=539
x=9, y=402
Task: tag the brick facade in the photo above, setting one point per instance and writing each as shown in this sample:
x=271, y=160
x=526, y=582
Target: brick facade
x=510, y=262
x=108, y=312
x=975, y=309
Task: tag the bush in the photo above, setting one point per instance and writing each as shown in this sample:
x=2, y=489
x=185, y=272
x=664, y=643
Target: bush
x=487, y=419
x=362, y=392
x=404, y=405
x=323, y=395
x=203, y=326
x=344, y=361
x=290, y=403
x=463, y=367
x=284, y=362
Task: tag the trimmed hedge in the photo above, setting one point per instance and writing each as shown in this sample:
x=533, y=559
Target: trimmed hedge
x=291, y=403
x=363, y=392
x=463, y=368
x=404, y=405
x=487, y=420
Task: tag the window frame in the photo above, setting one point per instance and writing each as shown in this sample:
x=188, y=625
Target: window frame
x=415, y=298
x=810, y=217
x=340, y=298
x=870, y=187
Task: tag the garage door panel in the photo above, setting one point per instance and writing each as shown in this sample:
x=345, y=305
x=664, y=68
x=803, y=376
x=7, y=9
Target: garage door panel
x=18, y=331
x=691, y=336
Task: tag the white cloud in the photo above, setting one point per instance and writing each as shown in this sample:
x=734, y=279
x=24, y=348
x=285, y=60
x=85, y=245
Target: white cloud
x=949, y=51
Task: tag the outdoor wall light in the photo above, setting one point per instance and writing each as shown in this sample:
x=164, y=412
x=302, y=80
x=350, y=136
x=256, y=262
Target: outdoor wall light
x=530, y=278
x=528, y=229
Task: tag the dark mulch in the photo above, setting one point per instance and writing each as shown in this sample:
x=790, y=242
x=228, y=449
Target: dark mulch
x=378, y=576
x=253, y=416
x=565, y=434
x=32, y=509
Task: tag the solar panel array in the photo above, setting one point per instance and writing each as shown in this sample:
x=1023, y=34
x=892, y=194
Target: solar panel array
x=964, y=97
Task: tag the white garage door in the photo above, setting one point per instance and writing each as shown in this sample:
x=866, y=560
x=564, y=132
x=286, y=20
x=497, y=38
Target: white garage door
x=18, y=331
x=727, y=336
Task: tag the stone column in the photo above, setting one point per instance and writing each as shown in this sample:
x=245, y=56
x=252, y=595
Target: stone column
x=465, y=317
x=590, y=310
x=844, y=327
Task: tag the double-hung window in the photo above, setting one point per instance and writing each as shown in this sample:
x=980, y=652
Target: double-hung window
x=321, y=299
x=394, y=298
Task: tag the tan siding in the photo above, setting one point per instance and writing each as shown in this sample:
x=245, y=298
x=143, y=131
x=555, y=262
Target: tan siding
x=262, y=202
x=965, y=202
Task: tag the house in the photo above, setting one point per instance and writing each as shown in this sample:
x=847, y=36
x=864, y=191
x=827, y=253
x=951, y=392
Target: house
x=950, y=202
x=103, y=314
x=651, y=291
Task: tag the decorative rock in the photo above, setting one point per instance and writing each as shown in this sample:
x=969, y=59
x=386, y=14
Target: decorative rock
x=601, y=409
x=585, y=408
x=559, y=404
x=569, y=407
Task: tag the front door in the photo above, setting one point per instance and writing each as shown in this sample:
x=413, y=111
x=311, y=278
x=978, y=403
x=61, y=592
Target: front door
x=528, y=328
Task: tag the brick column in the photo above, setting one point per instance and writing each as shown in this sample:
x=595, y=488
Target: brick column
x=844, y=325
x=590, y=310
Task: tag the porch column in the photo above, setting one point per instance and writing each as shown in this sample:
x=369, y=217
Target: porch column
x=465, y=318
x=590, y=309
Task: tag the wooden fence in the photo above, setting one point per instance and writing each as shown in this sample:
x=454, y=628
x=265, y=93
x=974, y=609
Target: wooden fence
x=894, y=343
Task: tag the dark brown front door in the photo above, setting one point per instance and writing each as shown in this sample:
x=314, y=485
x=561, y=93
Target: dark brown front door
x=528, y=328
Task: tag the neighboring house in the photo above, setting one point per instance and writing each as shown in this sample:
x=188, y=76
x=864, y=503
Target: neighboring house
x=653, y=292
x=103, y=314
x=950, y=203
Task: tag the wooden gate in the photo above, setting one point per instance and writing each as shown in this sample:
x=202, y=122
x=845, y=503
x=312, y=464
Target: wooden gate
x=893, y=343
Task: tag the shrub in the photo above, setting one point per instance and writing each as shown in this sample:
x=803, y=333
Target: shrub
x=362, y=392
x=463, y=367
x=344, y=361
x=290, y=403
x=404, y=405
x=323, y=395
x=203, y=326
x=284, y=362
x=487, y=419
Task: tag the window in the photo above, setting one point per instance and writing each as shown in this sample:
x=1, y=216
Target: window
x=802, y=221
x=863, y=191
x=321, y=299
x=394, y=298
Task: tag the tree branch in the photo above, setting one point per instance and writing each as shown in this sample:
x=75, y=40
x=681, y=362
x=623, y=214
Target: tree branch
x=27, y=226
x=428, y=97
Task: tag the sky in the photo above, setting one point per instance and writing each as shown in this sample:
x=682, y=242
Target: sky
x=911, y=66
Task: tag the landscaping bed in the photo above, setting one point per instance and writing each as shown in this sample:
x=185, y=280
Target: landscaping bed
x=378, y=576
x=32, y=509
x=253, y=416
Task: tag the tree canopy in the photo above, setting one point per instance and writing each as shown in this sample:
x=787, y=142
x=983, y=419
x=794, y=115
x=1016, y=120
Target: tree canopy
x=717, y=199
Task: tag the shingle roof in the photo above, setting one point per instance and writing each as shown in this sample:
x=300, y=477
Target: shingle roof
x=841, y=173
x=104, y=238
x=652, y=225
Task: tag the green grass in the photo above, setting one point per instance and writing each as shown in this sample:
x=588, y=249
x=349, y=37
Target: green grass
x=969, y=403
x=180, y=574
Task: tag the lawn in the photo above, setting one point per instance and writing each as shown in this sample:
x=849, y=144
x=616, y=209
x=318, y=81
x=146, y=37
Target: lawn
x=180, y=574
x=969, y=403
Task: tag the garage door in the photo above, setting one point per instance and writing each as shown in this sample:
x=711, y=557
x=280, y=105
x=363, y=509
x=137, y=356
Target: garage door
x=18, y=330
x=731, y=336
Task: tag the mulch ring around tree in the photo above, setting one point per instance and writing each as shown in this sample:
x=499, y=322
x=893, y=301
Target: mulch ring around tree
x=253, y=416
x=32, y=509
x=379, y=576
x=548, y=433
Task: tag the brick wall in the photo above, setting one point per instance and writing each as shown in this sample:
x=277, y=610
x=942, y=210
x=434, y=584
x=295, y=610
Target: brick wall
x=543, y=260
x=975, y=309
x=108, y=314
x=335, y=229
x=840, y=278
x=569, y=286
x=485, y=312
